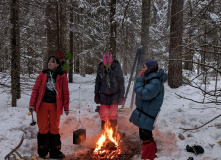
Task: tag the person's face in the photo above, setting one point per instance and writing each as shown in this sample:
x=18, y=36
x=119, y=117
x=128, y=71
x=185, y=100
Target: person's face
x=107, y=64
x=144, y=68
x=52, y=64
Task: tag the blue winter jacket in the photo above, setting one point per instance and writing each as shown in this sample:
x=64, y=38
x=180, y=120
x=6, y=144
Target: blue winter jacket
x=149, y=99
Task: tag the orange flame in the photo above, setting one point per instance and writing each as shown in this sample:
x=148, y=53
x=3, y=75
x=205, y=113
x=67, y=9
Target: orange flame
x=108, y=135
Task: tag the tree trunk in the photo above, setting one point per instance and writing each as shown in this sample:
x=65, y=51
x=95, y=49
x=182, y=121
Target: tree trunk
x=83, y=70
x=154, y=11
x=52, y=30
x=58, y=24
x=45, y=56
x=168, y=13
x=71, y=45
x=124, y=52
x=167, y=41
x=188, y=65
x=82, y=56
x=15, y=57
x=145, y=39
x=76, y=55
x=175, y=51
x=77, y=44
x=18, y=67
x=62, y=26
x=113, y=28
x=203, y=52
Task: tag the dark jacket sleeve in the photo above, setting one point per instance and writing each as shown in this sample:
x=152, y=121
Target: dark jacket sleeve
x=97, y=82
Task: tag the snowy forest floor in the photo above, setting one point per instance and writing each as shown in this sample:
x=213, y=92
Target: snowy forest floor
x=176, y=113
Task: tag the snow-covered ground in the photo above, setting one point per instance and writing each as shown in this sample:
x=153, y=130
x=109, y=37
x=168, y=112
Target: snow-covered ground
x=176, y=113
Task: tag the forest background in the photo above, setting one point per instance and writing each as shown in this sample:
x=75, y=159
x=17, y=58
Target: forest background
x=180, y=35
x=184, y=36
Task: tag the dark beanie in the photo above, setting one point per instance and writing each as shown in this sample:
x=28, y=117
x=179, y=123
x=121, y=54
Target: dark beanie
x=152, y=67
x=150, y=63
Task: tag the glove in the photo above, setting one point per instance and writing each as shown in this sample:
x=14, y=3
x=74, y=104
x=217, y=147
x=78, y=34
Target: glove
x=195, y=149
x=31, y=108
x=141, y=74
x=121, y=100
x=96, y=99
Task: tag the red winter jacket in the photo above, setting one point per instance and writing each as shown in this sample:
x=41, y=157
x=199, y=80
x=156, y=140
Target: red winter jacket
x=38, y=91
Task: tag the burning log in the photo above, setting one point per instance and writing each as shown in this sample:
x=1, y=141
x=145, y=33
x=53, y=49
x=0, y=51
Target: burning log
x=107, y=153
x=111, y=146
x=108, y=144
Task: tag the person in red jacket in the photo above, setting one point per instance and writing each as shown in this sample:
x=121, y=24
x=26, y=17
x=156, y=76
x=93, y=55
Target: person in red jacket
x=50, y=96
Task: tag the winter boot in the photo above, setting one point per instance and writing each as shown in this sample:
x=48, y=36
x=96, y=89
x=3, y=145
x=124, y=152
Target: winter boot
x=55, y=146
x=102, y=125
x=113, y=125
x=43, y=144
x=149, y=149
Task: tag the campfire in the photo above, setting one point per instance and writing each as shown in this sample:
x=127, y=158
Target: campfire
x=107, y=147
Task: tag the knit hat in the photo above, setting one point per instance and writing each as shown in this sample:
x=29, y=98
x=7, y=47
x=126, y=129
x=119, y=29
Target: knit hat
x=152, y=67
x=150, y=63
x=60, y=55
x=107, y=58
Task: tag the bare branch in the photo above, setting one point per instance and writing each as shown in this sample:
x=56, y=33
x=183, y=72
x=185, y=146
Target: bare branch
x=200, y=126
x=218, y=103
x=125, y=12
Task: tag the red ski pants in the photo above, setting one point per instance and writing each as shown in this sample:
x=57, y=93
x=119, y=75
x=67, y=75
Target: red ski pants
x=47, y=118
x=108, y=112
x=149, y=149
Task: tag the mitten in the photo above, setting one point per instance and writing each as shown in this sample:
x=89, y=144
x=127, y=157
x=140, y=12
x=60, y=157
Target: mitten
x=96, y=99
x=141, y=73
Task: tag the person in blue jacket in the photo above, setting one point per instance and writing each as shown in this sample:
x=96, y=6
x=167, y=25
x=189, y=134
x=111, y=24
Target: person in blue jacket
x=149, y=89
